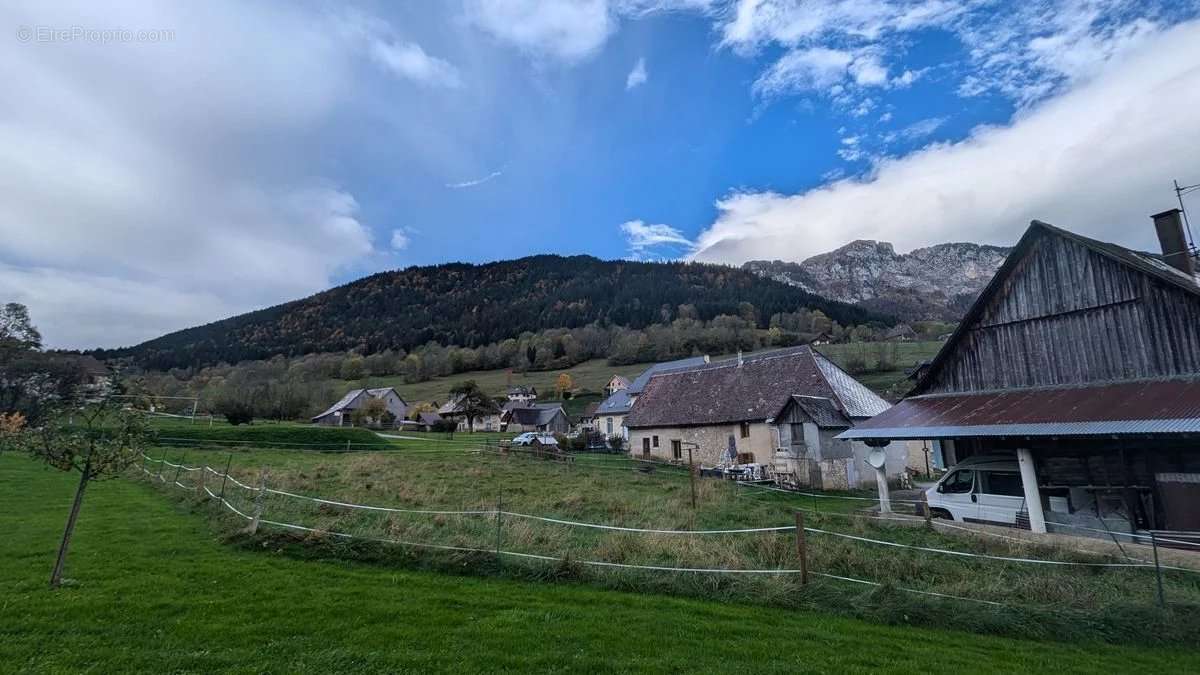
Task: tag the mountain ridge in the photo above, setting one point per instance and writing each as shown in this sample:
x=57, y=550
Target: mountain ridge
x=937, y=282
x=470, y=305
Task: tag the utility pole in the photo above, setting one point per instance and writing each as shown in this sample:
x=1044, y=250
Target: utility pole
x=1180, y=191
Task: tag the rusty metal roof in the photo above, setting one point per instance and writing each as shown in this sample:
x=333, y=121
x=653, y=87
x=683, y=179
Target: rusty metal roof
x=1159, y=407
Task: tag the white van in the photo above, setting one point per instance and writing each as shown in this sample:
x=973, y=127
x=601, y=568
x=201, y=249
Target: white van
x=985, y=489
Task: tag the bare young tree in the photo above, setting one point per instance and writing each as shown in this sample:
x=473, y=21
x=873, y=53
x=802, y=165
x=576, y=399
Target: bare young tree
x=99, y=440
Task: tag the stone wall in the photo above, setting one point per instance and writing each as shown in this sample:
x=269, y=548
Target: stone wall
x=711, y=441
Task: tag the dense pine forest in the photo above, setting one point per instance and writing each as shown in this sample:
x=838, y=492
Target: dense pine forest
x=476, y=305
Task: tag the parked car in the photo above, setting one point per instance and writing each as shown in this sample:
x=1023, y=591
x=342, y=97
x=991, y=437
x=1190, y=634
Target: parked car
x=979, y=489
x=528, y=437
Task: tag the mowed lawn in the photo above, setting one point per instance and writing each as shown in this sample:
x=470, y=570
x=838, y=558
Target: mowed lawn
x=153, y=590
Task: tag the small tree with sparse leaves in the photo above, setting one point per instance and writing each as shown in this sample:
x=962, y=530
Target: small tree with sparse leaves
x=100, y=439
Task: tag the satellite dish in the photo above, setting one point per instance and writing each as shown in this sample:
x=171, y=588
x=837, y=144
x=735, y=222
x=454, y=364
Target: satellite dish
x=877, y=458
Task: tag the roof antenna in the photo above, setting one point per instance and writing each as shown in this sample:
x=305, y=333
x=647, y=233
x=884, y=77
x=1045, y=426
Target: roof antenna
x=1180, y=191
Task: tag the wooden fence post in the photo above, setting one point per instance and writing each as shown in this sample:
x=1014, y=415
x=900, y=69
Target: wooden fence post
x=1162, y=601
x=801, y=547
x=258, y=503
x=180, y=467
x=225, y=476
x=499, y=513
x=200, y=483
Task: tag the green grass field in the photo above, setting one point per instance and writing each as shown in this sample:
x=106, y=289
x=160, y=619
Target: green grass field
x=592, y=375
x=1070, y=602
x=154, y=589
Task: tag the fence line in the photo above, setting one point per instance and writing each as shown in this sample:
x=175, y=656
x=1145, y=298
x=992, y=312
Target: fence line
x=659, y=568
x=571, y=523
x=821, y=496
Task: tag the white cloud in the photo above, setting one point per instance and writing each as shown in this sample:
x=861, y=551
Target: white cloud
x=145, y=187
x=566, y=30
x=400, y=239
x=816, y=69
x=1097, y=159
x=637, y=76
x=475, y=181
x=407, y=59
x=641, y=237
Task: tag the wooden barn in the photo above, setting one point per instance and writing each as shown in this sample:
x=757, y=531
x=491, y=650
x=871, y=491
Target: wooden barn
x=1082, y=359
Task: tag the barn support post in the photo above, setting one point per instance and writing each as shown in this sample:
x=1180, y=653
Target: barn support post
x=1033, y=496
x=885, y=496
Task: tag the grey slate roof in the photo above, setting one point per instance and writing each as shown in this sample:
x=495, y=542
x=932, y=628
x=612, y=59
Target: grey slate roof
x=725, y=392
x=535, y=415
x=823, y=411
x=353, y=395
x=621, y=401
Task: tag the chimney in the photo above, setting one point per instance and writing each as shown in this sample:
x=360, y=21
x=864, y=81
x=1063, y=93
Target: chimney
x=1169, y=226
x=739, y=358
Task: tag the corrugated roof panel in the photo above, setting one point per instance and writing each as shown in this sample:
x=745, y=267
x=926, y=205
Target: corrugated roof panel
x=1144, y=407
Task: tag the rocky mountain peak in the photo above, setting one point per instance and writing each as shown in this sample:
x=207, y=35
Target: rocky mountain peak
x=935, y=282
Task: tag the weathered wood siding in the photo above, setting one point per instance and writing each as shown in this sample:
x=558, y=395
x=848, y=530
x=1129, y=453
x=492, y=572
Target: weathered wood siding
x=1069, y=315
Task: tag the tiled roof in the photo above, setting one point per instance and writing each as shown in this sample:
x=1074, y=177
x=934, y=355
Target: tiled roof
x=621, y=401
x=726, y=392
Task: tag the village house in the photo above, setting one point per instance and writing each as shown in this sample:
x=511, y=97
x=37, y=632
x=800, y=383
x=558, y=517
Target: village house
x=341, y=414
x=782, y=408
x=520, y=393
x=610, y=414
x=617, y=383
x=455, y=410
x=900, y=333
x=1081, y=361
x=548, y=417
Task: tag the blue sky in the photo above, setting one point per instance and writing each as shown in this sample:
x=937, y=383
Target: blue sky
x=164, y=166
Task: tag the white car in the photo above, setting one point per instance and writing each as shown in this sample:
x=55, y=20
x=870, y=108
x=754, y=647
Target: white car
x=979, y=489
x=528, y=437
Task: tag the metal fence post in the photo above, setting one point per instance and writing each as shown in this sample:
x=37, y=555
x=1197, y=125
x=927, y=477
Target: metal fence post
x=1162, y=602
x=801, y=547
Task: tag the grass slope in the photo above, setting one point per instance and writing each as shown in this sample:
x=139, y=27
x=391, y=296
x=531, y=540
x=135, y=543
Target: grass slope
x=154, y=591
x=593, y=375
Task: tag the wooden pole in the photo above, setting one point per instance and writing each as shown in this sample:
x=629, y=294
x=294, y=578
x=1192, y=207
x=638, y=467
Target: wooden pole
x=258, y=503
x=179, y=468
x=499, y=513
x=225, y=476
x=692, y=478
x=200, y=483
x=801, y=547
x=1162, y=602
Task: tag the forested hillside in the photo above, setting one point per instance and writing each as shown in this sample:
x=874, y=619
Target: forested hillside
x=475, y=305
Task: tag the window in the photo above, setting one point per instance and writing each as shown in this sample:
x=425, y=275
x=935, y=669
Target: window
x=745, y=430
x=609, y=422
x=676, y=449
x=959, y=482
x=1001, y=483
x=655, y=441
